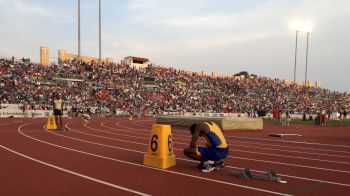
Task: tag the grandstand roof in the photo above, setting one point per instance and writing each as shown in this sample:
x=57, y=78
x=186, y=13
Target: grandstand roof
x=138, y=58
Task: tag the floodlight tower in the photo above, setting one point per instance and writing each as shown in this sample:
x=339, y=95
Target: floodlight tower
x=307, y=30
x=79, y=29
x=296, y=26
x=99, y=31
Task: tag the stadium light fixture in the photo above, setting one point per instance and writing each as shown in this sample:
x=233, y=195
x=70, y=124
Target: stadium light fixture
x=307, y=27
x=296, y=25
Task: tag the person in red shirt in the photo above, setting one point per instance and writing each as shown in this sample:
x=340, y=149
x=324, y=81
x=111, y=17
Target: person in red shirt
x=276, y=115
x=323, y=118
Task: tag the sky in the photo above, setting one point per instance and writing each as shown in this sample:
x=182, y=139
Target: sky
x=225, y=36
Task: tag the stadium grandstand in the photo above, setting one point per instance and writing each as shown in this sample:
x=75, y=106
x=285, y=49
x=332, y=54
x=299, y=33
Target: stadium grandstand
x=107, y=88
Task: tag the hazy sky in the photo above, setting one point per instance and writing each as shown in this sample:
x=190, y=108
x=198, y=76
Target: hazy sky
x=226, y=36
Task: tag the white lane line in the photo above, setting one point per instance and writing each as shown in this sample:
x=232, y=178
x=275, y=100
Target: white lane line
x=292, y=157
x=188, y=160
x=113, y=133
x=291, y=151
x=230, y=139
x=295, y=147
x=124, y=130
x=235, y=144
x=74, y=173
x=139, y=165
x=243, y=158
x=236, y=150
x=289, y=142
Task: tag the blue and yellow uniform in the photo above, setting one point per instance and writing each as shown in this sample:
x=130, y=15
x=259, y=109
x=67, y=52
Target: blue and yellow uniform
x=217, y=148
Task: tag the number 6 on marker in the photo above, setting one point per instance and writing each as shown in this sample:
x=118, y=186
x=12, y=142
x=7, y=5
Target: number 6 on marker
x=154, y=143
x=170, y=143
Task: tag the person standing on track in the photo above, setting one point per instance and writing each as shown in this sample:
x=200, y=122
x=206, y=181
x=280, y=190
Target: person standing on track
x=58, y=110
x=212, y=156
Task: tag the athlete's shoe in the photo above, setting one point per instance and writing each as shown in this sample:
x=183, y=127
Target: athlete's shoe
x=209, y=166
x=219, y=164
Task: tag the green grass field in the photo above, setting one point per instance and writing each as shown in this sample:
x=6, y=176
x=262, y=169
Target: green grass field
x=312, y=122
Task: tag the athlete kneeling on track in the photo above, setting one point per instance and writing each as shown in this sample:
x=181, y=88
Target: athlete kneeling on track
x=212, y=156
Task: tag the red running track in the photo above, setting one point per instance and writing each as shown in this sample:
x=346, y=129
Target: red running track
x=104, y=157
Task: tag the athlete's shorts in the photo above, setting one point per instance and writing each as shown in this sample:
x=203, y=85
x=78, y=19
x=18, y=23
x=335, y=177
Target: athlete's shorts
x=212, y=153
x=57, y=112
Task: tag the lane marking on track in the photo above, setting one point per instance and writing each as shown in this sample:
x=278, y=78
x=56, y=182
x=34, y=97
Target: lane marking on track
x=280, y=146
x=75, y=173
x=291, y=142
x=139, y=165
x=264, y=144
x=244, y=158
x=236, y=150
x=126, y=149
x=292, y=151
x=235, y=144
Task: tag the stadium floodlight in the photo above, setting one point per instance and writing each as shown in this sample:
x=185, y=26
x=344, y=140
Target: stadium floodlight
x=296, y=25
x=307, y=27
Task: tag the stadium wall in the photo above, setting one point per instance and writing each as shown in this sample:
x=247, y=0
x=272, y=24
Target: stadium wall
x=64, y=55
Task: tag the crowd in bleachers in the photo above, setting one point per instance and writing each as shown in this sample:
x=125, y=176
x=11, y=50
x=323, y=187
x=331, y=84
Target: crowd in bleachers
x=110, y=87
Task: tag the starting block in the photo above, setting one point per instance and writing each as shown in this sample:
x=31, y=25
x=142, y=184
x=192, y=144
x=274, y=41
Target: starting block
x=160, y=152
x=130, y=117
x=51, y=123
x=248, y=175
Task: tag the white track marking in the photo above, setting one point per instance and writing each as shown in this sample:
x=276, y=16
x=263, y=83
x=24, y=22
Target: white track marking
x=124, y=130
x=235, y=144
x=291, y=151
x=281, y=146
x=113, y=133
x=290, y=142
x=236, y=150
x=265, y=161
x=99, y=144
x=228, y=139
x=293, y=157
x=74, y=173
x=188, y=160
x=139, y=165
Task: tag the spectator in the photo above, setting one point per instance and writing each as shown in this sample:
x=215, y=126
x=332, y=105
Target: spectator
x=110, y=86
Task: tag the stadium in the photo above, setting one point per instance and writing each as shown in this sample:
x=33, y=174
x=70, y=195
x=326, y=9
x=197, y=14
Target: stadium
x=85, y=125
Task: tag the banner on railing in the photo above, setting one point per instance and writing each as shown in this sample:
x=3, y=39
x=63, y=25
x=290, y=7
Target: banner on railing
x=17, y=113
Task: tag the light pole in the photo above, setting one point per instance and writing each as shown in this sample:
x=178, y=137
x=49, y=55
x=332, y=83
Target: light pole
x=307, y=29
x=296, y=26
x=99, y=32
x=307, y=53
x=295, y=55
x=79, y=29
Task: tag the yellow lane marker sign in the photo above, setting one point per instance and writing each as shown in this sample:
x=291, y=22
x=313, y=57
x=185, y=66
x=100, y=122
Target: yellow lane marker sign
x=160, y=152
